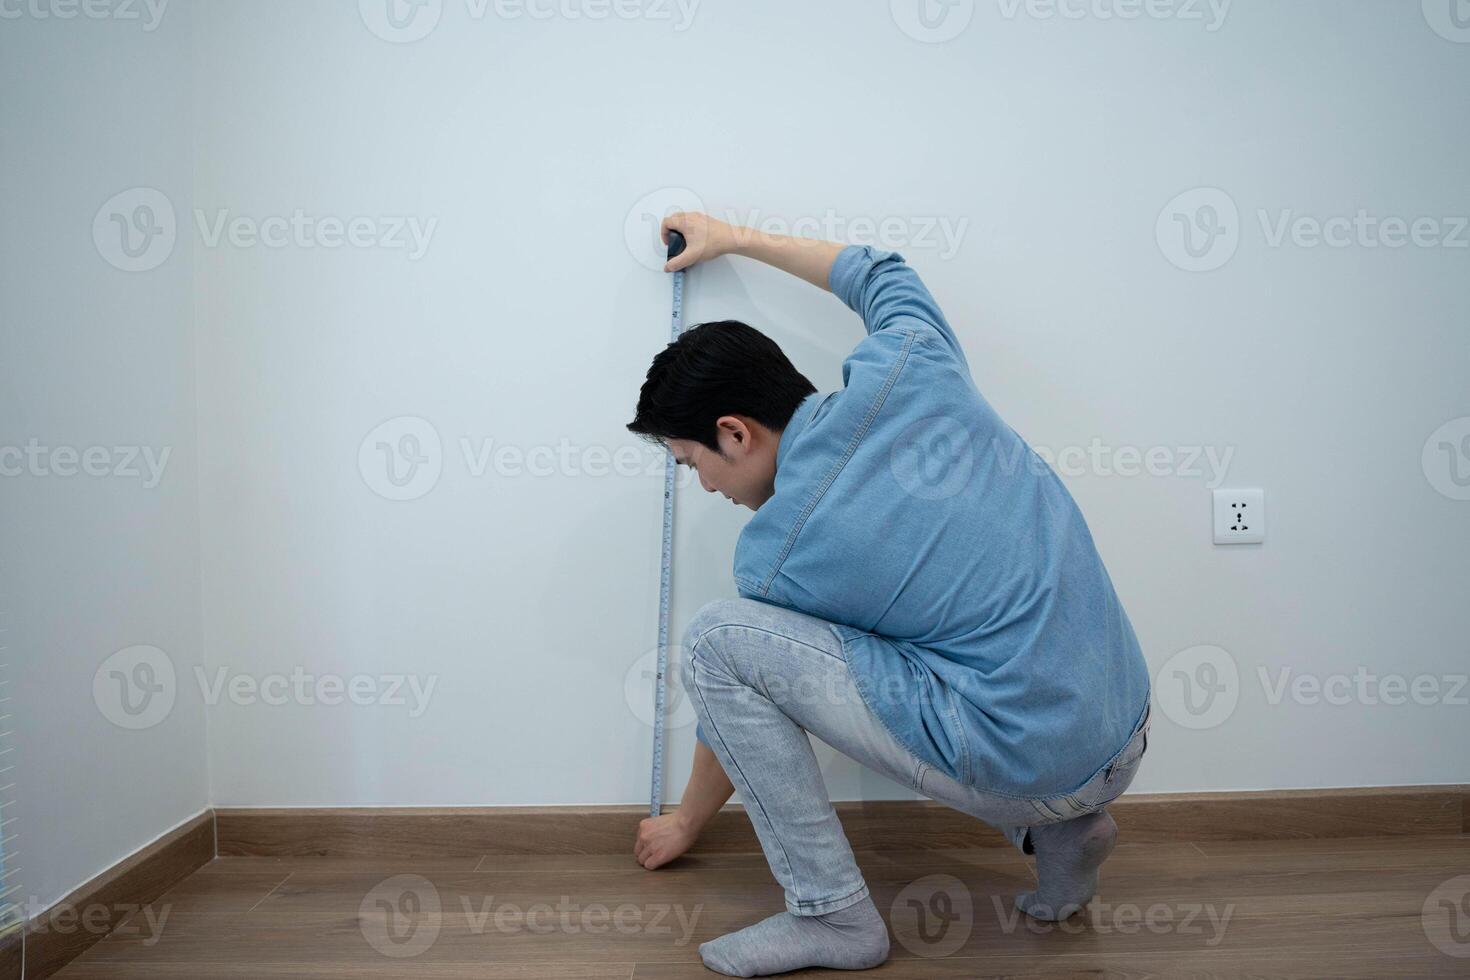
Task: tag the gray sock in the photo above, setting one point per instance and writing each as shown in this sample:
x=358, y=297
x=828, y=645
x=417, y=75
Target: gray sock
x=1067, y=858
x=854, y=938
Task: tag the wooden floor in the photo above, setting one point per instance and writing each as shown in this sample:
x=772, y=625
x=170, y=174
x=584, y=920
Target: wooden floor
x=1379, y=907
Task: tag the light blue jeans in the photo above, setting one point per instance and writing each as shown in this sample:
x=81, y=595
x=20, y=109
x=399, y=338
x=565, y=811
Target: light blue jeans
x=761, y=677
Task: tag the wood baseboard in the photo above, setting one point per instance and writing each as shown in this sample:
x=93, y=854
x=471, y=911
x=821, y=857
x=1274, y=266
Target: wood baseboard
x=57, y=936
x=61, y=933
x=412, y=832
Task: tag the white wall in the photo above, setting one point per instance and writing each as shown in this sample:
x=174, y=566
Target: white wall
x=528, y=322
x=1053, y=145
x=94, y=358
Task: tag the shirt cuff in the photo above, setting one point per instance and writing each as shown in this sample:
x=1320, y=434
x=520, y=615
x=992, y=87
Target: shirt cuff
x=850, y=271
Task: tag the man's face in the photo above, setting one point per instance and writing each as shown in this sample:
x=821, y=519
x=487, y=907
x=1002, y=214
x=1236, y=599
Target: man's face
x=745, y=472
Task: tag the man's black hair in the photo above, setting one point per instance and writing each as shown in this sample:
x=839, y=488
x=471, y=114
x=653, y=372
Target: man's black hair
x=720, y=368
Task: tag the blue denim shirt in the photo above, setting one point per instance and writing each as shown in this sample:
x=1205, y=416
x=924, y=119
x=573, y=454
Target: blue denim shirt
x=975, y=613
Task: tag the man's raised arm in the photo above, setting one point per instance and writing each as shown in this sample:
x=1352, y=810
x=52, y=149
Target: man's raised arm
x=879, y=286
x=708, y=238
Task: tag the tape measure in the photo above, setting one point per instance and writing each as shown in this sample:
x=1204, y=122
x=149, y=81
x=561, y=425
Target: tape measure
x=666, y=565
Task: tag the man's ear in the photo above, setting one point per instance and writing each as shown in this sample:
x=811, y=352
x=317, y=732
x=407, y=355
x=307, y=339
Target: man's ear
x=736, y=429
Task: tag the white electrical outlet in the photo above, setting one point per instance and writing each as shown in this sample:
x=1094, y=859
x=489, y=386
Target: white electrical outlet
x=1240, y=516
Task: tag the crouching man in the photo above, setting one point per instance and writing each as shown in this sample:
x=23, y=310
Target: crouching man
x=918, y=590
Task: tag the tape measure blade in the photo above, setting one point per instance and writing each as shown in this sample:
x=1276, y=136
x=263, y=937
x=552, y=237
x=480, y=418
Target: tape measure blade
x=665, y=583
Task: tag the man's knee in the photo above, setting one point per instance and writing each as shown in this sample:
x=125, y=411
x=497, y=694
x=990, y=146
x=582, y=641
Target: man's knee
x=712, y=615
x=701, y=636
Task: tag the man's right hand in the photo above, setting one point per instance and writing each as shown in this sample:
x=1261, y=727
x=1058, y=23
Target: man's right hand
x=661, y=839
x=705, y=238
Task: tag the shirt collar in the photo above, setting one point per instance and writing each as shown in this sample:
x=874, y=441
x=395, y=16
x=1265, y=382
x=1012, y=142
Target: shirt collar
x=799, y=420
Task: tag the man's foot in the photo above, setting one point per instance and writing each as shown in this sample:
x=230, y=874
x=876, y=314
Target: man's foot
x=854, y=938
x=1067, y=858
